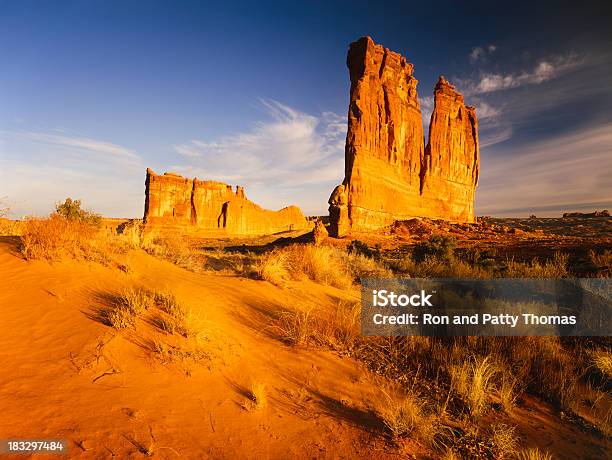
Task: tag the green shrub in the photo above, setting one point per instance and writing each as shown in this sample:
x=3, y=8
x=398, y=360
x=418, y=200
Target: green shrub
x=71, y=209
x=359, y=247
x=439, y=246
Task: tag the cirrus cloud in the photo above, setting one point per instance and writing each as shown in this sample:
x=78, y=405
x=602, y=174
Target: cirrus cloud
x=278, y=160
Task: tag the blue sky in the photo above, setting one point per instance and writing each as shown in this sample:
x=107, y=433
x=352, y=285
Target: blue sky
x=256, y=93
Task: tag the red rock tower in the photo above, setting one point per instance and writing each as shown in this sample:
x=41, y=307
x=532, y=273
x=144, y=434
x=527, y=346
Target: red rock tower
x=388, y=174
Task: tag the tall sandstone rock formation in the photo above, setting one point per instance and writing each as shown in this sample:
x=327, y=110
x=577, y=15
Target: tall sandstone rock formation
x=211, y=208
x=389, y=175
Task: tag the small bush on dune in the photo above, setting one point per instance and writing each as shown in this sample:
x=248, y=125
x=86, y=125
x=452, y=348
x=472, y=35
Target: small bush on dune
x=55, y=237
x=130, y=234
x=168, y=303
x=10, y=227
x=70, y=231
x=71, y=210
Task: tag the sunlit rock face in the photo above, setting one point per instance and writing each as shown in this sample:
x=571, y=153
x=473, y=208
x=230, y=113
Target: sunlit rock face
x=173, y=202
x=389, y=174
x=452, y=160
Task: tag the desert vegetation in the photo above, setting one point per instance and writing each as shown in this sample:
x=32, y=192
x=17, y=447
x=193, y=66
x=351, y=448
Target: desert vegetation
x=439, y=392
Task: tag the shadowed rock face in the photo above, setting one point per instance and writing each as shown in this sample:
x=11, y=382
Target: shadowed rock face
x=173, y=202
x=389, y=175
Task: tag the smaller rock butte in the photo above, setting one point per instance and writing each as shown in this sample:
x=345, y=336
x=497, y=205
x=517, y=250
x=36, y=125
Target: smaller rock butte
x=173, y=202
x=389, y=174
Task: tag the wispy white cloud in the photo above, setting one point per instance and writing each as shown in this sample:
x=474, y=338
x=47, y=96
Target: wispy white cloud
x=38, y=169
x=543, y=71
x=479, y=52
x=277, y=158
x=486, y=111
x=83, y=144
x=496, y=135
x=569, y=172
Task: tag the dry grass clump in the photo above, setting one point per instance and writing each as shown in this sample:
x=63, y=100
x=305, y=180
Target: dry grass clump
x=294, y=327
x=56, y=236
x=175, y=249
x=338, y=327
x=363, y=266
x=130, y=235
x=168, y=303
x=602, y=360
x=121, y=318
x=437, y=267
x=128, y=306
x=505, y=440
x=533, y=454
x=405, y=415
x=69, y=231
x=335, y=327
x=259, y=398
x=473, y=381
x=322, y=264
x=10, y=227
x=547, y=368
x=273, y=267
x=602, y=262
x=555, y=268
x=477, y=371
x=508, y=392
x=136, y=300
x=179, y=318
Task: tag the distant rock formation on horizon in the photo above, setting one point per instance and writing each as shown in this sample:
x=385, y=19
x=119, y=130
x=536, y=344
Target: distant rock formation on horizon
x=603, y=213
x=173, y=202
x=389, y=173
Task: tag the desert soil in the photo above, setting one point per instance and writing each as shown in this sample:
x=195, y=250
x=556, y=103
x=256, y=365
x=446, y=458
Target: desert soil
x=64, y=374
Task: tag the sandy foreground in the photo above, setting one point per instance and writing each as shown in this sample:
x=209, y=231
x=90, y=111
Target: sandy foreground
x=64, y=374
